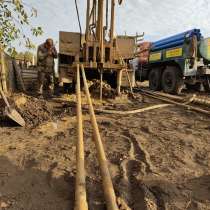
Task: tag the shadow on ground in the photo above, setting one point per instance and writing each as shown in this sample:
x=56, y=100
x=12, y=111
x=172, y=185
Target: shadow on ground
x=32, y=189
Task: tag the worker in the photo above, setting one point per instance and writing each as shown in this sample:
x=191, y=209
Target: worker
x=46, y=54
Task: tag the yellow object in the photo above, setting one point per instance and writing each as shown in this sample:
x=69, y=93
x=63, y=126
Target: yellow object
x=80, y=191
x=174, y=53
x=204, y=48
x=208, y=51
x=109, y=193
x=155, y=56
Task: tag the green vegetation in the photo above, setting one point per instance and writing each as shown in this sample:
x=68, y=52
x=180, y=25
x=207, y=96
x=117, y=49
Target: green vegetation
x=15, y=16
x=25, y=56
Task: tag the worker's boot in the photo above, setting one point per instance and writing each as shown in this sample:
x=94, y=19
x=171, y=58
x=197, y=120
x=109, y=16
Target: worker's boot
x=51, y=92
x=40, y=91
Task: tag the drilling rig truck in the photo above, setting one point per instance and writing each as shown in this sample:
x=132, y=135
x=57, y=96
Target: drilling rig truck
x=175, y=62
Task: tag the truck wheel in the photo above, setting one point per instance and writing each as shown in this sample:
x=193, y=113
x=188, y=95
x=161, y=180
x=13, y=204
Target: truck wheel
x=195, y=87
x=155, y=79
x=206, y=84
x=172, y=81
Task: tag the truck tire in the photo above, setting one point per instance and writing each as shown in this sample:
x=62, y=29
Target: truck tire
x=172, y=81
x=206, y=84
x=155, y=79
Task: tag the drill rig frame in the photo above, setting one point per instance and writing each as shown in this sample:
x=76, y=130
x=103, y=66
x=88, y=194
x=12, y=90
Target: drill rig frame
x=98, y=49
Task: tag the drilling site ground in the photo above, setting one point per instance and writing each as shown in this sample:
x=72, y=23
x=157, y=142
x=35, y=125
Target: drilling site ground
x=159, y=160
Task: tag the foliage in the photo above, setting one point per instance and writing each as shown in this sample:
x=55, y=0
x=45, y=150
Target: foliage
x=26, y=56
x=14, y=17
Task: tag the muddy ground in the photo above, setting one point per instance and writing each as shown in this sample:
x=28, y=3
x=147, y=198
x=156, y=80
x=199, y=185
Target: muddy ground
x=159, y=160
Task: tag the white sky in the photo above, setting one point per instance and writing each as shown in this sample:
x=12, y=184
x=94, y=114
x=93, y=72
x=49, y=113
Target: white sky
x=157, y=18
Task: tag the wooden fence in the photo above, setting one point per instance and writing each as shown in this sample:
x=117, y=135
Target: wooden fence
x=7, y=75
x=13, y=77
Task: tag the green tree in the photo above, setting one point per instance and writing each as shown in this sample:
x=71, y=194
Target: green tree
x=28, y=56
x=25, y=56
x=14, y=16
x=19, y=56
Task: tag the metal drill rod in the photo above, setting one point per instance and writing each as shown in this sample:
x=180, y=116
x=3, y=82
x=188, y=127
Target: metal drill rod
x=165, y=99
x=80, y=192
x=109, y=193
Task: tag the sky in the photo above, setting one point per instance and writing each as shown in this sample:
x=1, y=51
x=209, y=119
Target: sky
x=157, y=18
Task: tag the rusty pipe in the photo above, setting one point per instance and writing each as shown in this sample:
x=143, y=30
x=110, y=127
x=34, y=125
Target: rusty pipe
x=196, y=99
x=80, y=192
x=102, y=32
x=100, y=29
x=88, y=20
x=99, y=19
x=103, y=164
x=157, y=96
x=112, y=21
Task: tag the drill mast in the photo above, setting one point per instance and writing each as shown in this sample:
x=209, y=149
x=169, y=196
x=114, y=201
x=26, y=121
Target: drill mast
x=96, y=30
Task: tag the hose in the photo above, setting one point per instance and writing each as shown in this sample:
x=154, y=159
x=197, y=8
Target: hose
x=132, y=111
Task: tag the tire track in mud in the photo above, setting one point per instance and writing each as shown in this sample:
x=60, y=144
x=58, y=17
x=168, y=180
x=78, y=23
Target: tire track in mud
x=133, y=169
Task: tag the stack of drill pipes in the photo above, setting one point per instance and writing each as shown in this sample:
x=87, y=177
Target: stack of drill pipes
x=178, y=37
x=156, y=96
x=80, y=192
x=195, y=98
x=109, y=193
x=202, y=101
x=176, y=40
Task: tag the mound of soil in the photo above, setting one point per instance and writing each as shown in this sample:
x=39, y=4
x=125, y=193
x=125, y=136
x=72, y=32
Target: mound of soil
x=108, y=91
x=34, y=111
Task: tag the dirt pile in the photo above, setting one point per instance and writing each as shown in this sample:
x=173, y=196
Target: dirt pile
x=108, y=91
x=34, y=111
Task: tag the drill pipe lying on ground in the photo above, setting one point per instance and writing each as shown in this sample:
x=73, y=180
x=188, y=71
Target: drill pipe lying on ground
x=80, y=191
x=195, y=99
x=109, y=193
x=165, y=99
x=80, y=200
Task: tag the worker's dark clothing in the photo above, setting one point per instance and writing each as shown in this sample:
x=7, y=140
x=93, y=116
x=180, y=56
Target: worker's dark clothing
x=45, y=62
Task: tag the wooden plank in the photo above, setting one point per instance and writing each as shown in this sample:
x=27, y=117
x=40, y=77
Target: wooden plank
x=3, y=71
x=19, y=76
